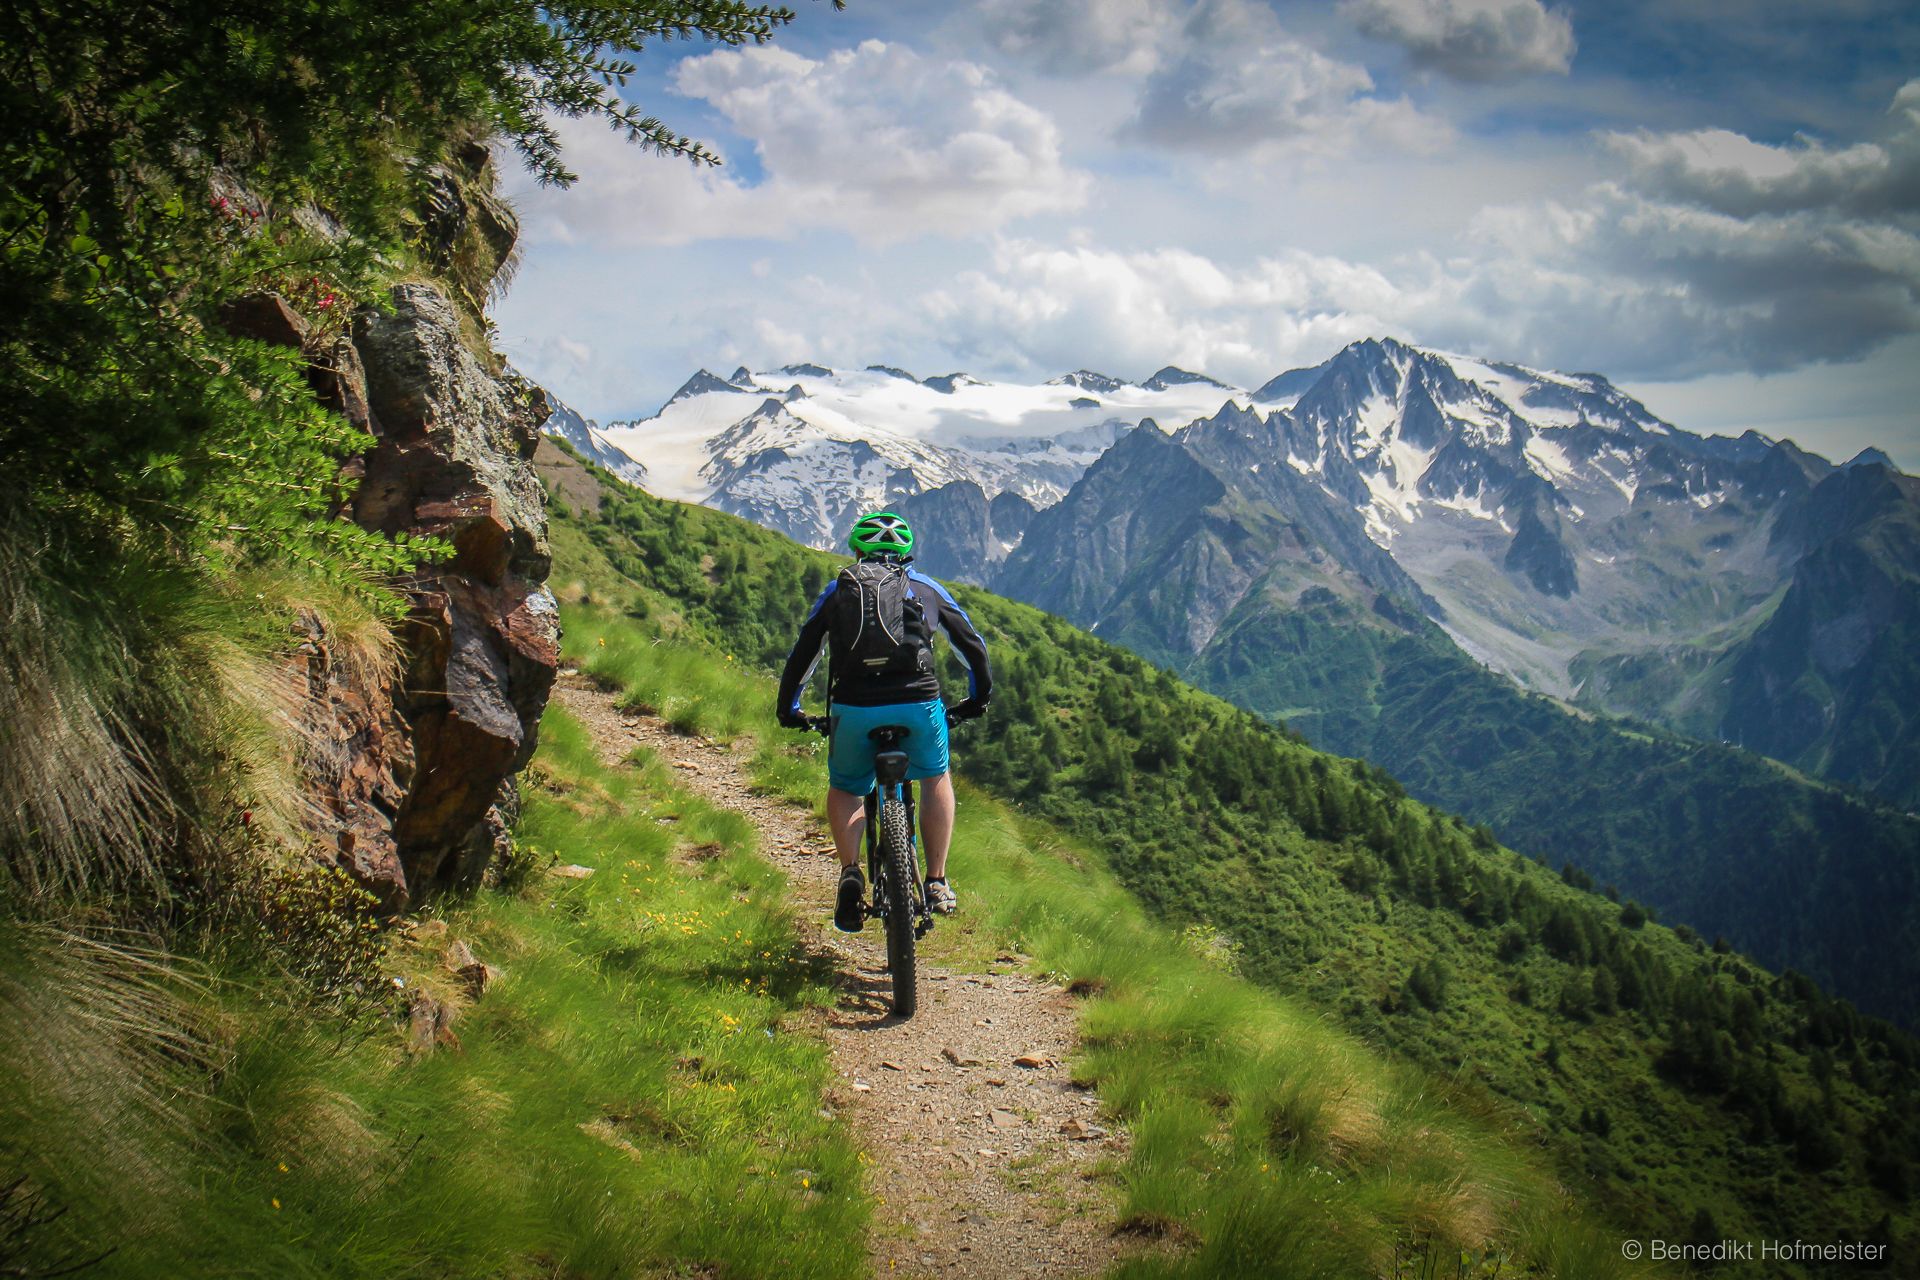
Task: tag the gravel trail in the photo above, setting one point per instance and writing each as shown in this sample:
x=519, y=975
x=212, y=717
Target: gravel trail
x=984, y=1152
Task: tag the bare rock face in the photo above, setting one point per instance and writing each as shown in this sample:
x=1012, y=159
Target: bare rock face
x=409, y=758
x=453, y=461
x=358, y=763
x=412, y=770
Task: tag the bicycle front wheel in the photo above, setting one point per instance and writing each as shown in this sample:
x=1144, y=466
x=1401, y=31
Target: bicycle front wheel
x=896, y=851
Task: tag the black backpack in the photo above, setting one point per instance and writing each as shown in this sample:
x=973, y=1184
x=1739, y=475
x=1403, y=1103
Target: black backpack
x=876, y=631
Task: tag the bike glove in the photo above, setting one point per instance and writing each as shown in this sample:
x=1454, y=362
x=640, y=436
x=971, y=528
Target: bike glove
x=966, y=709
x=791, y=719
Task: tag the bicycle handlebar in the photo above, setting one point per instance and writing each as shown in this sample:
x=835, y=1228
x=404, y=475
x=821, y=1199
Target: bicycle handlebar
x=822, y=725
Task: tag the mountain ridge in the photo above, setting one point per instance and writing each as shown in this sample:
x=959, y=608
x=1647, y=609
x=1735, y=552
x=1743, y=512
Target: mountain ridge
x=1555, y=528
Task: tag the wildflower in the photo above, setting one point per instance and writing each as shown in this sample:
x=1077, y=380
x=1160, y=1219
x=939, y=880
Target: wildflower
x=276, y=1204
x=283, y=1166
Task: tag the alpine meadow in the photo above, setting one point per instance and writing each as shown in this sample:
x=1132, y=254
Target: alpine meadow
x=1005, y=639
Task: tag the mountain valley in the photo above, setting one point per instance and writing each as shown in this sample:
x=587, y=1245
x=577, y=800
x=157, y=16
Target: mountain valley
x=1518, y=591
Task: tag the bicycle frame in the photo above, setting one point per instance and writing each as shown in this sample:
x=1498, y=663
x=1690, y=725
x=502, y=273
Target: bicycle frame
x=891, y=787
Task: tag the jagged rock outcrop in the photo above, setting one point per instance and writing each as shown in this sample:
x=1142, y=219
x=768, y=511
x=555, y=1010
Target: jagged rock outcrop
x=411, y=774
x=1539, y=551
x=955, y=538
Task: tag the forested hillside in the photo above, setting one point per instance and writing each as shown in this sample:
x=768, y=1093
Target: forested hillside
x=1799, y=873
x=1241, y=578
x=1683, y=1084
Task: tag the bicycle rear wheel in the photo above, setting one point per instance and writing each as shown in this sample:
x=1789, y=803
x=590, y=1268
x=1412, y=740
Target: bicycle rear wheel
x=903, y=905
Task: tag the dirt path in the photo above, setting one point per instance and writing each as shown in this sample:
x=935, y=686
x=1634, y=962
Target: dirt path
x=981, y=1165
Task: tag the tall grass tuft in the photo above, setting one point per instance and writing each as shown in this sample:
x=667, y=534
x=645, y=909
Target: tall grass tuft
x=146, y=706
x=106, y=1060
x=80, y=793
x=637, y=1093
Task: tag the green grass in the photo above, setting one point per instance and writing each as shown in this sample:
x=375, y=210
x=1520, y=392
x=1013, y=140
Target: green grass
x=639, y=1093
x=1264, y=1140
x=1659, y=1077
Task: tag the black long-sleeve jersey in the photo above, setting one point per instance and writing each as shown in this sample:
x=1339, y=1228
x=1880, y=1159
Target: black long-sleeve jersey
x=861, y=689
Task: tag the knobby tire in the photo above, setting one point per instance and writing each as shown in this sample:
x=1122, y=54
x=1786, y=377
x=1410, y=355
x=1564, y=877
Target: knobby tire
x=896, y=848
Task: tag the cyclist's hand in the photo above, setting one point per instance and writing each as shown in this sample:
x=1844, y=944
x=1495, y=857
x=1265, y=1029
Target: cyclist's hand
x=965, y=709
x=795, y=719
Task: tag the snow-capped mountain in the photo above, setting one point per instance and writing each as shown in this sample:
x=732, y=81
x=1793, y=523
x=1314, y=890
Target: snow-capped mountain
x=1544, y=523
x=1546, y=514
x=1550, y=525
x=804, y=448
x=565, y=423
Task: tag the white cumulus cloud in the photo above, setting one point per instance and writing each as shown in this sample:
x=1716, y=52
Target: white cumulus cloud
x=1240, y=82
x=1078, y=36
x=1472, y=39
x=1731, y=173
x=1051, y=307
x=1702, y=253
x=875, y=139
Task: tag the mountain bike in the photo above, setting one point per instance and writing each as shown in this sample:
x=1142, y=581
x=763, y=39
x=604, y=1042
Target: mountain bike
x=893, y=861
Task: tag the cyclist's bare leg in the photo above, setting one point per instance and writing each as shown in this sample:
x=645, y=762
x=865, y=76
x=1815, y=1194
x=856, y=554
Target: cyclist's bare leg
x=847, y=816
x=936, y=822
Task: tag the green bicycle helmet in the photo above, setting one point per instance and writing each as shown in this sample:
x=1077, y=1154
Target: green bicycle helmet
x=880, y=533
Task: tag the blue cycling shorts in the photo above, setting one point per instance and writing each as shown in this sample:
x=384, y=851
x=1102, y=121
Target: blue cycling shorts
x=850, y=751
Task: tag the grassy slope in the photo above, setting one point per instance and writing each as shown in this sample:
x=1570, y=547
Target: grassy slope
x=1265, y=1140
x=1772, y=1108
x=656, y=1005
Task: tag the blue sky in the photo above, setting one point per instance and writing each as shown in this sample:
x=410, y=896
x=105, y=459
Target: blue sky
x=1716, y=205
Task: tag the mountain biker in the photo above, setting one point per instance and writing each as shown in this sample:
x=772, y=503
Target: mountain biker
x=901, y=689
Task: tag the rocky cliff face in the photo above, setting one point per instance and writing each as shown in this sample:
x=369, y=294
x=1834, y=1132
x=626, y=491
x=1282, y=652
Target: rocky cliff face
x=412, y=780
x=1830, y=681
